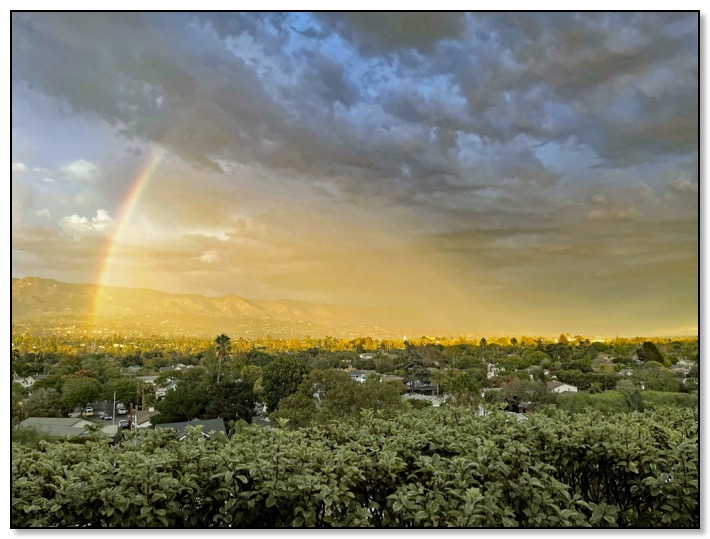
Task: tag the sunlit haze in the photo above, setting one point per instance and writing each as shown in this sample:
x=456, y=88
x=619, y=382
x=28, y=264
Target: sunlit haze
x=498, y=174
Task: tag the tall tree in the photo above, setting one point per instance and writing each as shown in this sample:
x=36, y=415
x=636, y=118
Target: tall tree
x=44, y=403
x=224, y=346
x=280, y=379
x=649, y=352
x=80, y=392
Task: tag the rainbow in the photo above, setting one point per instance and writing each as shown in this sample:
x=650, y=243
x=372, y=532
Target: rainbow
x=125, y=212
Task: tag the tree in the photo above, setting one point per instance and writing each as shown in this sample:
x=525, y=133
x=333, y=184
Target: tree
x=280, y=379
x=462, y=389
x=438, y=378
x=224, y=347
x=188, y=401
x=126, y=390
x=649, y=352
x=522, y=391
x=80, y=391
x=251, y=374
x=327, y=395
x=230, y=401
x=43, y=403
x=656, y=377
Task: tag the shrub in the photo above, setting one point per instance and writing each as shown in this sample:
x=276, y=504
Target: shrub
x=435, y=467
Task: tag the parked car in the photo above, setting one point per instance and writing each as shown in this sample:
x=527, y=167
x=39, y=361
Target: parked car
x=105, y=417
x=88, y=411
x=121, y=409
x=124, y=424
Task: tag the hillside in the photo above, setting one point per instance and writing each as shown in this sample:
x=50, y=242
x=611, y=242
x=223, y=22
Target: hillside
x=45, y=306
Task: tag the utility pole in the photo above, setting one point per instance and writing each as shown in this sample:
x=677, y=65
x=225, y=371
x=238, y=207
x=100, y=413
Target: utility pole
x=130, y=416
x=113, y=411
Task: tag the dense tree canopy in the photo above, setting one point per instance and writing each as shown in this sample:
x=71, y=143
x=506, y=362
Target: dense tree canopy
x=649, y=352
x=78, y=392
x=228, y=400
x=280, y=379
x=43, y=403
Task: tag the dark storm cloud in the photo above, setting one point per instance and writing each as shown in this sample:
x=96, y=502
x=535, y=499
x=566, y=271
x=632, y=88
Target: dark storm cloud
x=379, y=104
x=383, y=33
x=503, y=160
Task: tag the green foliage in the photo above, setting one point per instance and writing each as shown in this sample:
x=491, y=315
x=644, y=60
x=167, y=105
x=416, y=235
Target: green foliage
x=327, y=395
x=230, y=401
x=30, y=438
x=223, y=345
x=80, y=391
x=664, y=398
x=43, y=403
x=585, y=380
x=280, y=379
x=649, y=352
x=462, y=388
x=656, y=377
x=126, y=390
x=430, y=468
x=251, y=373
x=627, y=398
x=518, y=392
x=190, y=400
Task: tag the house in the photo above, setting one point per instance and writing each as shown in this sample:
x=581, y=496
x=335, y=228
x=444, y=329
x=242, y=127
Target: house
x=491, y=370
x=133, y=369
x=210, y=427
x=559, y=387
x=434, y=400
x=59, y=427
x=142, y=418
x=359, y=376
x=421, y=388
x=26, y=382
x=161, y=391
x=147, y=379
x=367, y=356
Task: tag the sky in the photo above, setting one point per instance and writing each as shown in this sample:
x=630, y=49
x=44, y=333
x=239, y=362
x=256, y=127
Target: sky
x=488, y=173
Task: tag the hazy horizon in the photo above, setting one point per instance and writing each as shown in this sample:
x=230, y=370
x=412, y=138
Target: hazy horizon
x=515, y=173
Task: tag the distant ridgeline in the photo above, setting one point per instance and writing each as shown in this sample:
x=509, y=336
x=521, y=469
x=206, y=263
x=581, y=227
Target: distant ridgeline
x=48, y=307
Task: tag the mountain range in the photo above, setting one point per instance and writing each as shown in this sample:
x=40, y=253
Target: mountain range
x=45, y=306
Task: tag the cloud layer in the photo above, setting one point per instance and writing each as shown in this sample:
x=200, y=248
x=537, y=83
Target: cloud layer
x=475, y=166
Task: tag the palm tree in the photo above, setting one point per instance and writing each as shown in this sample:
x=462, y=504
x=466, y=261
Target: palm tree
x=438, y=377
x=224, y=346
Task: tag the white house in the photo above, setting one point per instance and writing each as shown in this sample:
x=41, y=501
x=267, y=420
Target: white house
x=559, y=387
x=26, y=382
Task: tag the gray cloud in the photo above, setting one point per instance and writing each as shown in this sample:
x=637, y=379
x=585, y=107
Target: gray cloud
x=287, y=105
x=383, y=32
x=533, y=133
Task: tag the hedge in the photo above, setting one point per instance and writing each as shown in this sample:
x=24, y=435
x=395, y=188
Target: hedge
x=435, y=467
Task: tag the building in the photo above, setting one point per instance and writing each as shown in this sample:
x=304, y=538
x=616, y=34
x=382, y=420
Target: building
x=59, y=427
x=26, y=382
x=559, y=387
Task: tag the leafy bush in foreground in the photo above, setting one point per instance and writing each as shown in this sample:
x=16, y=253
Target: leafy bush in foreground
x=437, y=467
